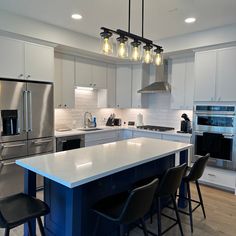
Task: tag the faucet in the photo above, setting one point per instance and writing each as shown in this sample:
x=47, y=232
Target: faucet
x=87, y=120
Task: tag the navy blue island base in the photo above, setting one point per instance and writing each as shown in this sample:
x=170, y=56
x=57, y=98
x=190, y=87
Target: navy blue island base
x=71, y=213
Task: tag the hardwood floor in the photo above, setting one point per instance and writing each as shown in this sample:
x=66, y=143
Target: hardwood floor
x=220, y=208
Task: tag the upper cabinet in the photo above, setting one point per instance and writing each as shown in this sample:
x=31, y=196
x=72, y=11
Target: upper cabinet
x=123, y=86
x=21, y=60
x=11, y=59
x=182, y=83
x=91, y=74
x=215, y=75
x=64, y=82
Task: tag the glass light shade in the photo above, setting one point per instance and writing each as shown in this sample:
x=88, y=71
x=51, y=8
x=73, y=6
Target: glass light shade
x=122, y=49
x=158, y=59
x=107, y=45
x=136, y=53
x=147, y=55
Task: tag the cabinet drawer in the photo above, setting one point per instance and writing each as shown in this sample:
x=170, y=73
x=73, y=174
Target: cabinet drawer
x=176, y=138
x=146, y=134
x=101, y=136
x=97, y=142
x=219, y=177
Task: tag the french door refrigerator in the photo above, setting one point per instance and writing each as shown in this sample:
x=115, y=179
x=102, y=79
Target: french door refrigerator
x=26, y=128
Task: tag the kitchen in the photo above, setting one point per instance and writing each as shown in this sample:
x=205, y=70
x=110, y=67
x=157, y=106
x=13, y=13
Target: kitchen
x=198, y=72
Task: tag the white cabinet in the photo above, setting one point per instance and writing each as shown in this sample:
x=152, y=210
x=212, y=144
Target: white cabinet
x=182, y=83
x=21, y=60
x=140, y=79
x=226, y=71
x=107, y=97
x=39, y=62
x=64, y=90
x=91, y=74
x=11, y=59
x=215, y=75
x=176, y=138
x=137, y=134
x=123, y=86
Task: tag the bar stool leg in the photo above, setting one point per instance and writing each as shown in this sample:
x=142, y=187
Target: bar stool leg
x=122, y=231
x=159, y=216
x=30, y=228
x=200, y=198
x=7, y=232
x=41, y=229
x=96, y=226
x=144, y=227
x=177, y=215
x=190, y=206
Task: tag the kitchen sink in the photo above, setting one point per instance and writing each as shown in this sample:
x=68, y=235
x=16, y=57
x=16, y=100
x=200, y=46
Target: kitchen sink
x=89, y=129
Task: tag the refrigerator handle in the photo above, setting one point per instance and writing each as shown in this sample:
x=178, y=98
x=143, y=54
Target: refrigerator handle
x=25, y=111
x=30, y=110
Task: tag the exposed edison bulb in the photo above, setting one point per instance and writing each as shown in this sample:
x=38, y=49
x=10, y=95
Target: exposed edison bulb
x=122, y=50
x=106, y=46
x=147, y=58
x=122, y=47
x=158, y=59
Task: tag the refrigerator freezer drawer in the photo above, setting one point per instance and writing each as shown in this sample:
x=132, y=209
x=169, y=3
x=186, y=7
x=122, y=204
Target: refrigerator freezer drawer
x=40, y=146
x=13, y=150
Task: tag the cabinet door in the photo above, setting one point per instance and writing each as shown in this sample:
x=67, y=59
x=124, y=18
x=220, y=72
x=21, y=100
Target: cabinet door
x=178, y=83
x=11, y=59
x=189, y=83
x=83, y=73
x=111, y=86
x=58, y=81
x=39, y=62
x=226, y=71
x=99, y=76
x=123, y=86
x=205, y=74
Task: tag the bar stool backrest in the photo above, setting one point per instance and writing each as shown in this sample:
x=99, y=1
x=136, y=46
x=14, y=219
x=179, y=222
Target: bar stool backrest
x=138, y=203
x=198, y=168
x=171, y=180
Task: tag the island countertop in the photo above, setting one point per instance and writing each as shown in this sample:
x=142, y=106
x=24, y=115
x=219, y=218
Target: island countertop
x=76, y=167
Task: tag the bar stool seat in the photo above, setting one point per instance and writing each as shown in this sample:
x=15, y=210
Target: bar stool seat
x=20, y=209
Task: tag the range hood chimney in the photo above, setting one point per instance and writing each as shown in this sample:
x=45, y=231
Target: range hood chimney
x=161, y=84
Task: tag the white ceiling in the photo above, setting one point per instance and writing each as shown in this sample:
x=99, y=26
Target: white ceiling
x=163, y=18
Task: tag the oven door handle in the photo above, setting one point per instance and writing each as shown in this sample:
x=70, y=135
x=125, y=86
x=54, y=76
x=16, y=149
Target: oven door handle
x=198, y=133
x=8, y=163
x=229, y=136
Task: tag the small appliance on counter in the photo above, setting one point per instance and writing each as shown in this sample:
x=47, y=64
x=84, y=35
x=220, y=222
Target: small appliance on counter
x=185, y=126
x=117, y=122
x=110, y=120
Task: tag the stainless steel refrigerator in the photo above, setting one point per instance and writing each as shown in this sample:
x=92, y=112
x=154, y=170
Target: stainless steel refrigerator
x=26, y=128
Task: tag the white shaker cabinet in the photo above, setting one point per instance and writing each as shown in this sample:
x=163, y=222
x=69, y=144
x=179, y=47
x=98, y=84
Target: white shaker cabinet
x=64, y=90
x=99, y=75
x=123, y=86
x=182, y=83
x=11, y=58
x=205, y=74
x=226, y=75
x=39, y=62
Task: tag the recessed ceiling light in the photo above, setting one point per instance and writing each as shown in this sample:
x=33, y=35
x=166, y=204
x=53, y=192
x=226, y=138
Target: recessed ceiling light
x=190, y=20
x=76, y=16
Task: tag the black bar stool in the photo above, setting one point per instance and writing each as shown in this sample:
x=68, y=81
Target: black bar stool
x=194, y=175
x=19, y=209
x=167, y=187
x=127, y=208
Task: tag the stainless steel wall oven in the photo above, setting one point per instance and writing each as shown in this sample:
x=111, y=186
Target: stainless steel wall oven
x=214, y=132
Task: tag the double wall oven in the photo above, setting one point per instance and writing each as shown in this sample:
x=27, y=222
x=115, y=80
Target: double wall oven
x=214, y=129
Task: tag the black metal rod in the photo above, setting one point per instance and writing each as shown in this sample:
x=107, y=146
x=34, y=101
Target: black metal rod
x=129, y=16
x=142, y=18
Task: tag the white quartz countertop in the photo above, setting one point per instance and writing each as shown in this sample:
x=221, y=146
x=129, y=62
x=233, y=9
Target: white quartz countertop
x=76, y=167
x=72, y=132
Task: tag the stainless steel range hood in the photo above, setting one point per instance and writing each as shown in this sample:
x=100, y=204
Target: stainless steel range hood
x=161, y=84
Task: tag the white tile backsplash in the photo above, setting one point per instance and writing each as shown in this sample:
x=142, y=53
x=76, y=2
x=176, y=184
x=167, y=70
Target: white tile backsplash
x=158, y=113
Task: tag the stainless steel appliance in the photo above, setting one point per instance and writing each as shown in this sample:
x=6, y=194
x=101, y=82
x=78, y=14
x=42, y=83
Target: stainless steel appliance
x=117, y=122
x=214, y=132
x=26, y=128
x=155, y=128
x=70, y=142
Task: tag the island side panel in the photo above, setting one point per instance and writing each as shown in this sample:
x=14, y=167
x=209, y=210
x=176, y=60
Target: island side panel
x=71, y=213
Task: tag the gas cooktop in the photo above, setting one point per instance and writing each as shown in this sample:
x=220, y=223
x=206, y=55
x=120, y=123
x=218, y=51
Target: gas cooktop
x=155, y=128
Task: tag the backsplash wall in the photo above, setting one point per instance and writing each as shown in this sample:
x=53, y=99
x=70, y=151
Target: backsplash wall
x=158, y=113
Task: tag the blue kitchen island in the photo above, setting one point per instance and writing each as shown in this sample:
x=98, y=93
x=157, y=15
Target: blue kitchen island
x=74, y=180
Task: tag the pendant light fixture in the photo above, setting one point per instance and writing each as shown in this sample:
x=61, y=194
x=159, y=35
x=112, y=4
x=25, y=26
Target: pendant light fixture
x=151, y=52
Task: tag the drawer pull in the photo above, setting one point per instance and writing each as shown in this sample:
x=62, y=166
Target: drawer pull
x=212, y=175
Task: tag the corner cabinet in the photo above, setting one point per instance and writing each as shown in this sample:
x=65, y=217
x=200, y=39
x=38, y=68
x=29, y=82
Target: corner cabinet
x=64, y=90
x=215, y=75
x=91, y=74
x=22, y=60
x=182, y=83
